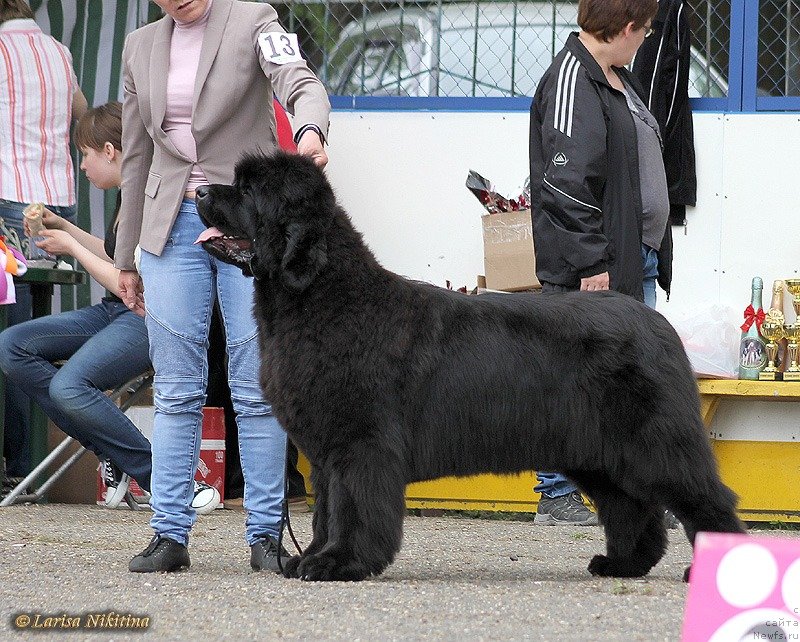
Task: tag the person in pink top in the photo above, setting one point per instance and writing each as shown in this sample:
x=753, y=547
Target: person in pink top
x=199, y=85
x=39, y=97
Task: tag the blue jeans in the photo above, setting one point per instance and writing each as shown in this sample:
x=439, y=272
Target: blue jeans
x=179, y=290
x=650, y=265
x=555, y=484
x=105, y=345
x=17, y=406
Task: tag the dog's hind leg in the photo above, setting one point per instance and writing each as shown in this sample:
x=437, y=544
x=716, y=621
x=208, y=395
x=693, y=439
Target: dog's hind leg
x=365, y=509
x=636, y=538
x=712, y=511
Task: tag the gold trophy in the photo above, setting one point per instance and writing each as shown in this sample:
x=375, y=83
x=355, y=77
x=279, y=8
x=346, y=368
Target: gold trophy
x=772, y=331
x=792, y=373
x=793, y=285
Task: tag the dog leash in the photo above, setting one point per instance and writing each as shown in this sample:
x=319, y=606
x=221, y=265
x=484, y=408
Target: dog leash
x=285, y=521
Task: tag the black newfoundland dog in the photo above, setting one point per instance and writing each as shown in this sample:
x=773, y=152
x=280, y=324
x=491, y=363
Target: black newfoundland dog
x=382, y=381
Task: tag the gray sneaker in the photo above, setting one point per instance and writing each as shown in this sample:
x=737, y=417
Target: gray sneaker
x=567, y=510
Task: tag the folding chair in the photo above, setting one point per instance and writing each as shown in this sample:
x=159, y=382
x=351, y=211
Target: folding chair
x=136, y=387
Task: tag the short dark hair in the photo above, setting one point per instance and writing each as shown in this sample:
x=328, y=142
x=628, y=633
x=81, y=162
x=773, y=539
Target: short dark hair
x=604, y=19
x=98, y=126
x=13, y=9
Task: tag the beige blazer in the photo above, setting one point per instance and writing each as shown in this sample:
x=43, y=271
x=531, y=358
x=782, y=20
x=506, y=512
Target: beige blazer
x=232, y=114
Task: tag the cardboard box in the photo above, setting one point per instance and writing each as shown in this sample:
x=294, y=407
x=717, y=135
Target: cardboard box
x=508, y=254
x=75, y=485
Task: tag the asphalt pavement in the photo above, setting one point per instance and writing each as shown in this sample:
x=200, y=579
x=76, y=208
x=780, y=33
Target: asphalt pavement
x=64, y=573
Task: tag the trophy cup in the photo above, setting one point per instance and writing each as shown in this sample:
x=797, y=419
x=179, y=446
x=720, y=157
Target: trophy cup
x=793, y=285
x=792, y=373
x=792, y=331
x=772, y=332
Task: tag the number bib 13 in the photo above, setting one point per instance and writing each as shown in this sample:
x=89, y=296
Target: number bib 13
x=279, y=47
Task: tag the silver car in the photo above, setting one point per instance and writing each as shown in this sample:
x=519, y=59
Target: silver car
x=466, y=49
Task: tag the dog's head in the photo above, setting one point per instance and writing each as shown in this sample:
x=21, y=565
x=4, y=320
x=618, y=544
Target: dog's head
x=272, y=222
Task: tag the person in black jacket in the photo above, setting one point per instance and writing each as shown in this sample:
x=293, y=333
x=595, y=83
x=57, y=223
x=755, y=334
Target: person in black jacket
x=598, y=188
x=662, y=66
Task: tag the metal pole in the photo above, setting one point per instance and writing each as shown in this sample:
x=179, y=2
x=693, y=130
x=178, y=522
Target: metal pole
x=475, y=49
x=708, y=46
x=787, y=58
x=514, y=50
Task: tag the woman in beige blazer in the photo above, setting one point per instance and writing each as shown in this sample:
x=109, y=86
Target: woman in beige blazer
x=199, y=85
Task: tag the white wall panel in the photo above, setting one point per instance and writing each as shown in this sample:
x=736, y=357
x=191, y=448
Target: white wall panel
x=401, y=176
x=761, y=166
x=697, y=246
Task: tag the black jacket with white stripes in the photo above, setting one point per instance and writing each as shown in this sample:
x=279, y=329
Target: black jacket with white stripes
x=585, y=189
x=662, y=67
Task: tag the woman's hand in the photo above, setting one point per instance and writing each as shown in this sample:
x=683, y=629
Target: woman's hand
x=131, y=291
x=56, y=242
x=595, y=283
x=50, y=220
x=310, y=145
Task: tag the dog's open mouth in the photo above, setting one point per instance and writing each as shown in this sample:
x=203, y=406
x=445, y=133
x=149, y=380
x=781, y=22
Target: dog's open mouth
x=230, y=249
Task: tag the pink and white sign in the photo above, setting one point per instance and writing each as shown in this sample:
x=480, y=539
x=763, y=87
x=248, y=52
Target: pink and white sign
x=743, y=588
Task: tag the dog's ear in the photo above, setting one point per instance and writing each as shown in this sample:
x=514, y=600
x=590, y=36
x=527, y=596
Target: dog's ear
x=306, y=254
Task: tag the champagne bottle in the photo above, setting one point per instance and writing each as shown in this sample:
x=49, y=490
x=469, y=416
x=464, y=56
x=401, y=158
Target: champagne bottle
x=752, y=352
x=775, y=314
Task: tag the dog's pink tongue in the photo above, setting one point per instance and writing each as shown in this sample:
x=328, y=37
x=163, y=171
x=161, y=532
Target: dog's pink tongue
x=208, y=234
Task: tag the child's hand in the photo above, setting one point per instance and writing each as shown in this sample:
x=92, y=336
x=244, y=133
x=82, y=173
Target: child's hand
x=51, y=220
x=56, y=242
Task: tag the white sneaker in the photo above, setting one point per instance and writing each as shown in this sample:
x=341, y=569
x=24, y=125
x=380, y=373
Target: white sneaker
x=206, y=498
x=117, y=484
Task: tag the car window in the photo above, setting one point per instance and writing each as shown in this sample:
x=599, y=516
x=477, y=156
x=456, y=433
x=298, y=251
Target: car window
x=705, y=79
x=463, y=72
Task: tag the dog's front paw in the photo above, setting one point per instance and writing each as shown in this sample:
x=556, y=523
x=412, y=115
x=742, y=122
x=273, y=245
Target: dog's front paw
x=329, y=568
x=604, y=566
x=290, y=567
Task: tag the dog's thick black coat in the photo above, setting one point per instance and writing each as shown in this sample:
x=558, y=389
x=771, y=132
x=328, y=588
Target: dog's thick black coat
x=382, y=381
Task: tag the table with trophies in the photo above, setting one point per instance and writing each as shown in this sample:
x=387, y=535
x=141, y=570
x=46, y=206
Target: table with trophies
x=762, y=462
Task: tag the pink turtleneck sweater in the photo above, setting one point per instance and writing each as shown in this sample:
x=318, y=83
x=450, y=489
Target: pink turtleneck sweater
x=184, y=55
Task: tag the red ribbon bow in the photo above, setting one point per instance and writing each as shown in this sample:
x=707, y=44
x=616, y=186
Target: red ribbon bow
x=751, y=315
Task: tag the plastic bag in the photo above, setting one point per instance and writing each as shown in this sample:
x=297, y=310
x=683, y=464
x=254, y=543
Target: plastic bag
x=710, y=336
